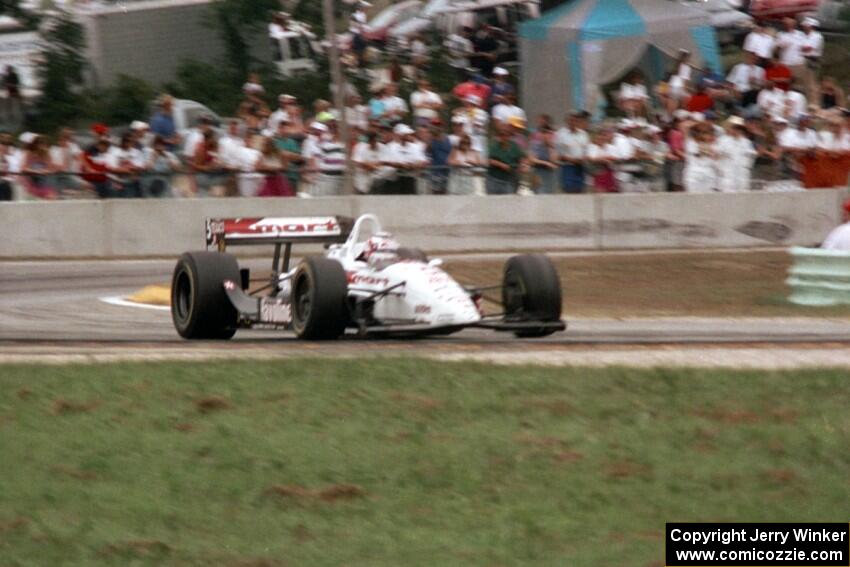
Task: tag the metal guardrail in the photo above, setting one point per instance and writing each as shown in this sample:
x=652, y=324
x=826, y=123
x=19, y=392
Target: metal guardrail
x=301, y=182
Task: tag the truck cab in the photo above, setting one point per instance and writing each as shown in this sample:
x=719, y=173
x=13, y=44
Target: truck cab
x=294, y=51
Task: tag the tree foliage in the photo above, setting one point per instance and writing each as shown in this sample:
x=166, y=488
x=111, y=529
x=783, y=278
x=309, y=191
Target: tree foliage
x=61, y=71
x=237, y=21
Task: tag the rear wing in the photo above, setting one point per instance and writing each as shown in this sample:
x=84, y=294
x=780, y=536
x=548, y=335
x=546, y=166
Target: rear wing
x=222, y=233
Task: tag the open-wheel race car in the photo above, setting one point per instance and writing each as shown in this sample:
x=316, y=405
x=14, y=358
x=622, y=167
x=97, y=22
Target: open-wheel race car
x=364, y=282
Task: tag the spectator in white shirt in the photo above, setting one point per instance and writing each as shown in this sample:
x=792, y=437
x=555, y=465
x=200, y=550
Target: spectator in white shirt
x=571, y=144
x=126, y=162
x=747, y=78
x=737, y=156
x=633, y=97
x=760, y=42
x=395, y=109
x=771, y=100
x=279, y=115
x=701, y=159
x=798, y=138
x=812, y=49
x=506, y=109
x=67, y=158
x=459, y=47
x=405, y=154
x=366, y=158
x=790, y=41
x=426, y=103
x=357, y=113
x=831, y=140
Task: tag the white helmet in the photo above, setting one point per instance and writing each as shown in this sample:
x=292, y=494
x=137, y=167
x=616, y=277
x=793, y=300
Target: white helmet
x=380, y=244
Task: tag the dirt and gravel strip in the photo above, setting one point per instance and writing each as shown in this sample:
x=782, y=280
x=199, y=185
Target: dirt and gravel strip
x=767, y=357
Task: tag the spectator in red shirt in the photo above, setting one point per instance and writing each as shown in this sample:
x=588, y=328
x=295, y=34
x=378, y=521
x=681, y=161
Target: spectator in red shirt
x=700, y=101
x=778, y=73
x=475, y=86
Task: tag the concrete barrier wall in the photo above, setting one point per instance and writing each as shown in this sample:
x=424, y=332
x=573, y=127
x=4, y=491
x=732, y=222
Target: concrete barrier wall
x=170, y=226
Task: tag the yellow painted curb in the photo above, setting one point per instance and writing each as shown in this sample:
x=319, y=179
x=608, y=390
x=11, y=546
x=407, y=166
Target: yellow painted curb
x=152, y=295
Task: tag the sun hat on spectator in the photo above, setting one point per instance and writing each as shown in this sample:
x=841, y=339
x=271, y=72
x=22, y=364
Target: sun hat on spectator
x=458, y=119
x=473, y=99
x=681, y=114
x=318, y=126
x=779, y=120
x=325, y=117
x=735, y=121
x=27, y=138
x=403, y=130
x=698, y=116
x=139, y=125
x=811, y=22
x=500, y=72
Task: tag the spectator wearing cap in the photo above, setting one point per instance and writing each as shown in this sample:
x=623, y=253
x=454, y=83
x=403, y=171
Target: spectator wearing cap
x=500, y=86
x=505, y=158
x=475, y=119
x=253, y=86
x=282, y=113
x=407, y=157
x=812, y=50
x=506, y=109
x=426, y=103
x=737, y=157
x=438, y=151
x=162, y=122
x=328, y=159
x=571, y=144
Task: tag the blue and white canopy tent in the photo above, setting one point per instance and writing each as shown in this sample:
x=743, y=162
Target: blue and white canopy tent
x=571, y=51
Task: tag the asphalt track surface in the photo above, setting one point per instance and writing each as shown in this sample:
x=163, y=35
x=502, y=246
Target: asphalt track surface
x=59, y=306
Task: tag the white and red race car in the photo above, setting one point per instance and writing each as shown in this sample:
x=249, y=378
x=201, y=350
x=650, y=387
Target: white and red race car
x=365, y=282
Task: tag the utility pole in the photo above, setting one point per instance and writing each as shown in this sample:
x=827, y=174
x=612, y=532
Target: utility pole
x=338, y=88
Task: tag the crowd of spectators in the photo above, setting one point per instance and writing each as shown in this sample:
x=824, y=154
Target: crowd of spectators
x=771, y=117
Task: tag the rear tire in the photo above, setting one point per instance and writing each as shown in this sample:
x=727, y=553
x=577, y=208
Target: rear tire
x=200, y=308
x=531, y=291
x=412, y=254
x=319, y=293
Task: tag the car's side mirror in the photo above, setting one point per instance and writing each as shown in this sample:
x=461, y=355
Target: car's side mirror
x=435, y=263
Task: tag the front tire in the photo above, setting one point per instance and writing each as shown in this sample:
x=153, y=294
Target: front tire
x=200, y=308
x=531, y=291
x=319, y=292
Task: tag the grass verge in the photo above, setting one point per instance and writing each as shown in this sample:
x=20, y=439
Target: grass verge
x=403, y=462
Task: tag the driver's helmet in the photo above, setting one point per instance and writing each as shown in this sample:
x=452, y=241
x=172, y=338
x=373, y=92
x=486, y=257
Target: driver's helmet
x=381, y=246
